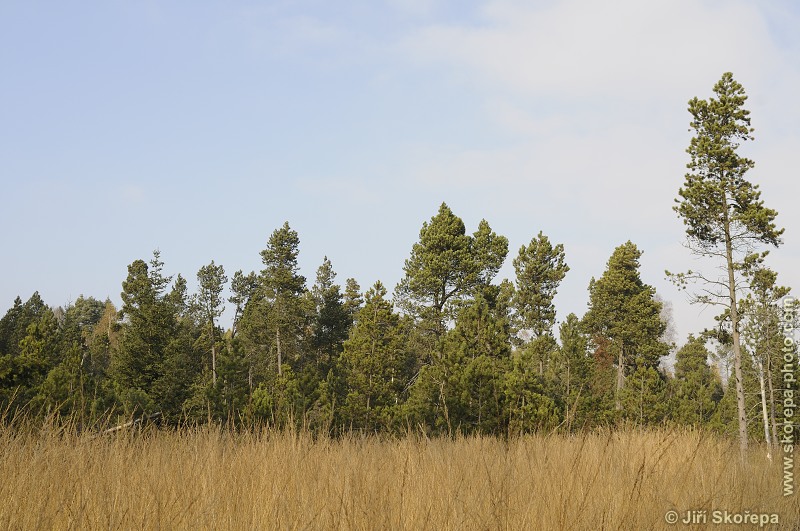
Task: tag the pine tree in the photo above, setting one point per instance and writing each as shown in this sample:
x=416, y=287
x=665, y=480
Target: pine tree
x=103, y=345
x=725, y=419
x=329, y=325
x=571, y=371
x=24, y=371
x=723, y=212
x=8, y=327
x=243, y=288
x=644, y=398
x=762, y=335
x=154, y=365
x=540, y=268
x=476, y=356
x=624, y=317
x=375, y=365
x=244, y=348
x=183, y=360
x=14, y=325
x=353, y=299
x=445, y=266
x=283, y=287
x=697, y=389
x=69, y=383
x=528, y=405
x=147, y=325
x=274, y=329
x=209, y=303
x=233, y=388
x=332, y=318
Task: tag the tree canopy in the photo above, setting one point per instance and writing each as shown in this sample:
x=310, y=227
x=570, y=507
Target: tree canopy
x=456, y=350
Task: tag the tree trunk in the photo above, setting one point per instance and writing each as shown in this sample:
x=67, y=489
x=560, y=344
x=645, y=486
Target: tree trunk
x=213, y=361
x=774, y=424
x=641, y=401
x=366, y=413
x=568, y=381
x=737, y=350
x=278, y=345
x=620, y=379
x=250, y=382
x=213, y=349
x=764, y=412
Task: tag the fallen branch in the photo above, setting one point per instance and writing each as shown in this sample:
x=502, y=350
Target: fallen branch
x=133, y=423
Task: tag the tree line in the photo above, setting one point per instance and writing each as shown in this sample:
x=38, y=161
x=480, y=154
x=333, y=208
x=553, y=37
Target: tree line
x=450, y=350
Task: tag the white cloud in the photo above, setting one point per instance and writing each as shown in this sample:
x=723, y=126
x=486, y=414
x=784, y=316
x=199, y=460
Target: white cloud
x=594, y=93
x=580, y=49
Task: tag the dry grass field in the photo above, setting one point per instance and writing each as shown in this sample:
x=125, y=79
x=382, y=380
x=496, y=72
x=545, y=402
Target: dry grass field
x=211, y=479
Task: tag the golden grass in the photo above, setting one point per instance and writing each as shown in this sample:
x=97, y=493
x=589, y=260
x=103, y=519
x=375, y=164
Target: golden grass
x=211, y=479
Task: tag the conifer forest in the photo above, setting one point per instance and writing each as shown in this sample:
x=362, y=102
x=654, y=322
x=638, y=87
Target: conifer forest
x=451, y=349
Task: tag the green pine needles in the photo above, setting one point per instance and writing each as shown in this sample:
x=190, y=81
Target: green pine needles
x=726, y=220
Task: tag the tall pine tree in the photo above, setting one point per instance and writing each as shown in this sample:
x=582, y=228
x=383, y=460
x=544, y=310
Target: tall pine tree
x=725, y=218
x=283, y=287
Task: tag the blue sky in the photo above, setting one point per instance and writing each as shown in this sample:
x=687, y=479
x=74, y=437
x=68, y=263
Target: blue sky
x=199, y=127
